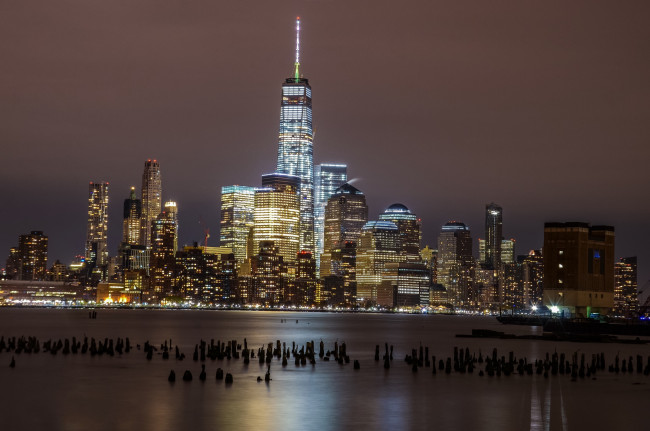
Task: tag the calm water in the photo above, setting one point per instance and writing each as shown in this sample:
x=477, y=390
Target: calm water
x=80, y=392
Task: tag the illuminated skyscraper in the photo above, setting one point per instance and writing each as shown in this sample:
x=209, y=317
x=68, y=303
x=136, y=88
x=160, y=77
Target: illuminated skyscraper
x=151, y=198
x=378, y=245
x=30, y=257
x=327, y=178
x=455, y=262
x=409, y=230
x=131, y=224
x=345, y=215
x=237, y=212
x=626, y=297
x=277, y=215
x=295, y=147
x=97, y=232
x=171, y=210
x=508, y=250
x=493, y=235
x=163, y=260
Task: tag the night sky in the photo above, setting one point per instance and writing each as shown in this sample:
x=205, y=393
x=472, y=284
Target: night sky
x=444, y=106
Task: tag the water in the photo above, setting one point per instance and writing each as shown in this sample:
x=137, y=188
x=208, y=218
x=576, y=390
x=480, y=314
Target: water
x=80, y=392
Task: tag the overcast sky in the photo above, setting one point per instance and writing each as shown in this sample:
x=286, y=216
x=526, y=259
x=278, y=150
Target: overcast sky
x=444, y=106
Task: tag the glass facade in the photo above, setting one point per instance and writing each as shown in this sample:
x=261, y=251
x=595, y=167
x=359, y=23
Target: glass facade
x=151, y=198
x=493, y=235
x=97, y=232
x=455, y=262
x=237, y=212
x=409, y=230
x=345, y=215
x=131, y=219
x=378, y=245
x=327, y=178
x=295, y=146
x=277, y=215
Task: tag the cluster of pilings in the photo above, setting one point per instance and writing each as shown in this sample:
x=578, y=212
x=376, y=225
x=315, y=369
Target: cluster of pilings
x=576, y=366
x=231, y=349
x=29, y=345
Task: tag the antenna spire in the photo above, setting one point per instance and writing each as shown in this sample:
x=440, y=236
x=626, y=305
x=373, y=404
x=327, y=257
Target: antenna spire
x=297, y=74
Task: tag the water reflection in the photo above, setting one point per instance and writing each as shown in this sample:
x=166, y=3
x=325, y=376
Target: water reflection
x=79, y=392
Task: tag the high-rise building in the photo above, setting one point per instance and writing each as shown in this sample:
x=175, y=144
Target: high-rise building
x=131, y=224
x=277, y=215
x=171, y=210
x=578, y=268
x=237, y=215
x=493, y=235
x=295, y=146
x=404, y=284
x=345, y=215
x=327, y=178
x=508, y=250
x=455, y=262
x=163, y=257
x=97, y=232
x=378, y=245
x=409, y=230
x=269, y=274
x=626, y=299
x=532, y=278
x=301, y=289
x=28, y=261
x=151, y=198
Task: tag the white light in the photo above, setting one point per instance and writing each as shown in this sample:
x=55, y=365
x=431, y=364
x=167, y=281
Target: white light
x=534, y=307
x=554, y=308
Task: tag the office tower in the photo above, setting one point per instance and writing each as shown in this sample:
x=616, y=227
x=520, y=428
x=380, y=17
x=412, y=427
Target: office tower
x=404, y=284
x=481, y=251
x=578, y=268
x=327, y=178
x=12, y=270
x=493, y=235
x=97, y=232
x=430, y=259
x=269, y=274
x=237, y=214
x=162, y=261
x=133, y=256
x=378, y=245
x=198, y=273
x=455, y=263
x=532, y=278
x=508, y=250
x=626, y=300
x=301, y=289
x=277, y=215
x=151, y=198
x=171, y=210
x=409, y=230
x=28, y=261
x=345, y=215
x=295, y=146
x=131, y=224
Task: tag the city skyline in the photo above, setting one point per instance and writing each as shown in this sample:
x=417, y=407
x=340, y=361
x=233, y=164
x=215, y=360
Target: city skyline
x=578, y=132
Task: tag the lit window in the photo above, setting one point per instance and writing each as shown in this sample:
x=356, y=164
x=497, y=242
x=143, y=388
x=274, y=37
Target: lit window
x=561, y=252
x=560, y=266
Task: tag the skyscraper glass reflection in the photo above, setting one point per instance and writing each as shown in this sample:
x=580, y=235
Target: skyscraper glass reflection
x=295, y=145
x=327, y=178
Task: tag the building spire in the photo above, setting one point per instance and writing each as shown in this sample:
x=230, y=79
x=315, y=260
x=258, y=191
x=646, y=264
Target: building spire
x=297, y=74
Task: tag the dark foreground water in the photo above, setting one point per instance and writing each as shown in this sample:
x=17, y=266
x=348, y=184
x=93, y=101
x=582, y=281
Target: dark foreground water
x=80, y=392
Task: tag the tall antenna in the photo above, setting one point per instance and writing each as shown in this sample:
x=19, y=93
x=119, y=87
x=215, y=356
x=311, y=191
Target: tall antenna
x=297, y=48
